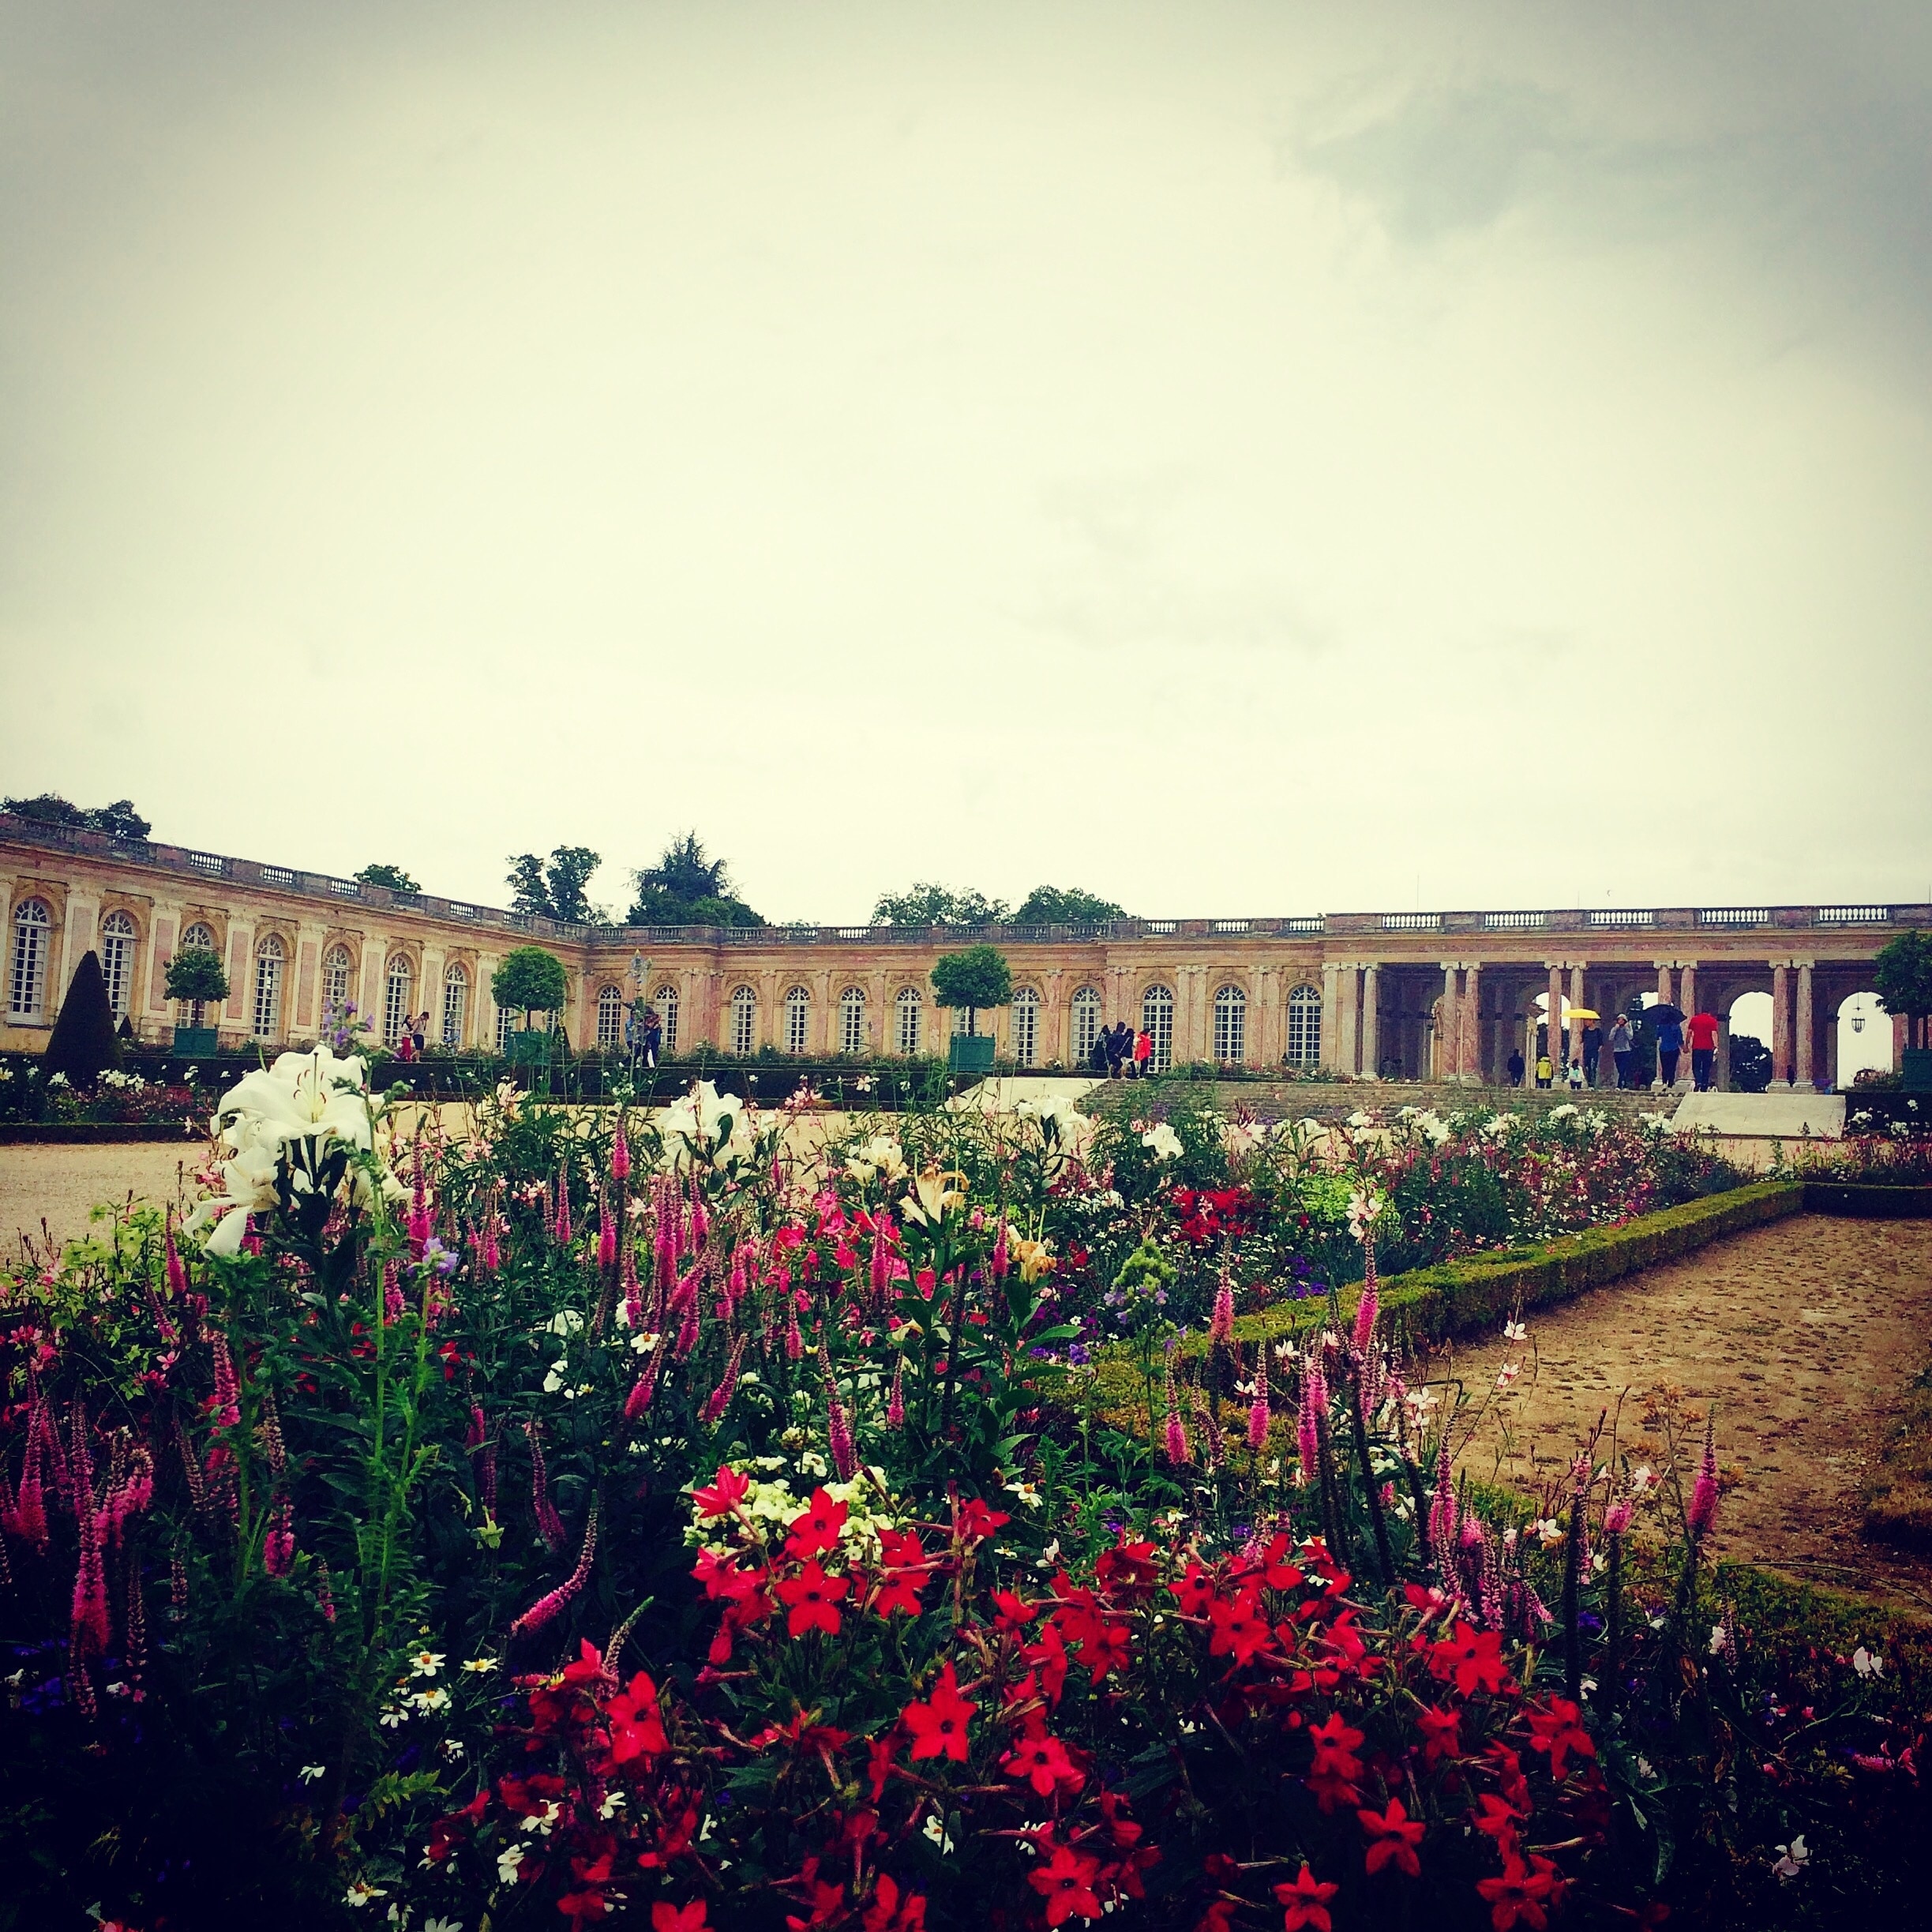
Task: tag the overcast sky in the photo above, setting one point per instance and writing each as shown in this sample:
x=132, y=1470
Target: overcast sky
x=1261, y=458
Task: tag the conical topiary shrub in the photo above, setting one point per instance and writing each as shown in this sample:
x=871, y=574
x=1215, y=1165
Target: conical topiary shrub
x=83, y=1042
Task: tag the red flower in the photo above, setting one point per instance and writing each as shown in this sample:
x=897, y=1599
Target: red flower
x=666, y=1917
x=1441, y=1735
x=1041, y=1761
x=1066, y=1882
x=636, y=1727
x=584, y=1906
x=1523, y=1895
x=1238, y=1627
x=894, y=1911
x=896, y=1590
x=1393, y=1838
x=1494, y=1818
x=1127, y=1571
x=1471, y=1660
x=1195, y=1593
x=811, y=1597
x=1335, y=1740
x=816, y=1527
x=727, y=1491
x=1554, y=1731
x=1013, y=1615
x=939, y=1726
x=975, y=1523
x=1307, y=1901
x=721, y=1577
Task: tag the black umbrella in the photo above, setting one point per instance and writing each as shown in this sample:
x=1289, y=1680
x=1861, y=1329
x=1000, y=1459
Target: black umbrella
x=1663, y=1013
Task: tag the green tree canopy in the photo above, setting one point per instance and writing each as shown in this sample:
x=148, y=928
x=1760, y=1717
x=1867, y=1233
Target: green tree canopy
x=393, y=877
x=687, y=887
x=529, y=979
x=1903, y=975
x=119, y=820
x=83, y=1044
x=979, y=977
x=194, y=972
x=555, y=890
x=1065, y=905
x=928, y=904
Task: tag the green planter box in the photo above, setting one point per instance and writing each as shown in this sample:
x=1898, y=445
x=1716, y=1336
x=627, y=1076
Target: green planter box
x=529, y=1049
x=971, y=1053
x=1915, y=1069
x=195, y=1042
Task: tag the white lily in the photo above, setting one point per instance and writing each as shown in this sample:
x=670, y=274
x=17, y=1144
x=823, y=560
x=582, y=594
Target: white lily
x=1163, y=1141
x=934, y=1197
x=303, y=1097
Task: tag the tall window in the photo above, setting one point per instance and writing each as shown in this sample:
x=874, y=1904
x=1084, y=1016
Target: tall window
x=336, y=969
x=1230, y=1026
x=798, y=1019
x=268, y=958
x=27, y=983
x=455, y=999
x=1304, y=1027
x=744, y=1020
x=610, y=1020
x=397, y=989
x=666, y=1004
x=506, y=1020
x=908, y=1006
x=197, y=938
x=1156, y=1019
x=1025, y=1027
x=117, y=960
x=1086, y=1023
x=852, y=1020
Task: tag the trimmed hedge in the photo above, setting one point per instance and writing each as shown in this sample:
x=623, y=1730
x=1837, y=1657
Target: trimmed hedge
x=1474, y=1295
x=91, y=1133
x=1870, y=1200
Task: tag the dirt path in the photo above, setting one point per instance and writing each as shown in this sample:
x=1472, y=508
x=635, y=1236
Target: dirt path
x=1803, y=1335
x=61, y=1183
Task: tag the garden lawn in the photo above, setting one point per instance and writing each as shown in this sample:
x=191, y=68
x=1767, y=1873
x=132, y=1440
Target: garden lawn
x=1804, y=1336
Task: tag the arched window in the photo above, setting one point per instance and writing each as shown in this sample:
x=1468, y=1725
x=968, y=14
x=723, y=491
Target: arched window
x=1230, y=1026
x=199, y=938
x=1025, y=1027
x=1086, y=1023
x=798, y=1019
x=27, y=983
x=610, y=1020
x=336, y=969
x=1157, y=1020
x=744, y=1020
x=268, y=958
x=666, y=1002
x=1304, y=1027
x=908, y=1008
x=455, y=1002
x=397, y=988
x=852, y=1020
x=117, y=935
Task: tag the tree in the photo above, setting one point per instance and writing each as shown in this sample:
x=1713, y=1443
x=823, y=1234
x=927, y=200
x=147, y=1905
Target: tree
x=1067, y=905
x=529, y=979
x=82, y=1043
x=979, y=977
x=687, y=887
x=195, y=975
x=1903, y=975
x=118, y=820
x=393, y=877
x=555, y=891
x=930, y=905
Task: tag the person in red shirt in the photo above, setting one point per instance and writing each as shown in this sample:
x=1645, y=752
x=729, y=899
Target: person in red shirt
x=1703, y=1030
x=1143, y=1054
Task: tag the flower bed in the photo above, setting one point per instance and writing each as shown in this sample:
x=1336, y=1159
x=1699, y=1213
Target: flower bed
x=588, y=1519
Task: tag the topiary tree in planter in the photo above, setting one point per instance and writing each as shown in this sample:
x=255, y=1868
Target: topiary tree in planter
x=978, y=977
x=1903, y=975
x=82, y=1046
x=531, y=980
x=195, y=977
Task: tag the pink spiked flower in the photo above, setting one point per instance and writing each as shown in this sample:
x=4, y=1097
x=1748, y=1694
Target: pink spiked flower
x=881, y=1257
x=563, y=1229
x=227, y=1390
x=1178, y=1452
x=633, y=1290
x=1000, y=1259
x=794, y=1342
x=1366, y=1308
x=1703, y=1510
x=278, y=1547
x=719, y=1400
x=620, y=1154
x=545, y=1608
x=1308, y=1423
x=1258, y=1409
x=700, y=1221
x=646, y=1386
x=1221, y=1324
x=549, y=1525
x=606, y=1234
x=838, y=1427
x=177, y=1274
x=1617, y=1517
x=896, y=1402
x=1442, y=1508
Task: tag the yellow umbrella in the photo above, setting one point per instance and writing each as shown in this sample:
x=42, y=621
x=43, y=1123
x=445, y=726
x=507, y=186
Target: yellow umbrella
x=1583, y=1012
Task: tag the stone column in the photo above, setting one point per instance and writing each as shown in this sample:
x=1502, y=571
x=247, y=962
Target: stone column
x=824, y=1023
x=1663, y=993
x=768, y=1020
x=1576, y=1000
x=241, y=976
x=1331, y=1028
x=1806, y=1073
x=1781, y=1025
x=1469, y=1026
x=1721, y=1066
x=1348, y=1019
x=1687, y=999
x=1448, y=1029
x=1371, y=1022
x=1554, y=1021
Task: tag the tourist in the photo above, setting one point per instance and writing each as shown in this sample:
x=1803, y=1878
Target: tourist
x=1573, y=1073
x=406, y=1045
x=1096, y=1053
x=1143, y=1054
x=1545, y=1072
x=654, y=1036
x=1621, y=1050
x=420, y=1028
x=1703, y=1030
x=1670, y=1045
x=634, y=1032
x=1592, y=1050
x=1119, y=1051
x=1516, y=1066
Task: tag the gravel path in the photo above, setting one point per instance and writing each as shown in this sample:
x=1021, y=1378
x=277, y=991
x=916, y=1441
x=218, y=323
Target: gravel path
x=1802, y=1336
x=61, y=1183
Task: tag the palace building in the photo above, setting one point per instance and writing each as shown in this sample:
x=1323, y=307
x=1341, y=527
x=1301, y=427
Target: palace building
x=1402, y=995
